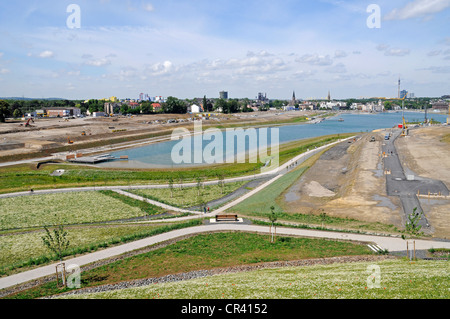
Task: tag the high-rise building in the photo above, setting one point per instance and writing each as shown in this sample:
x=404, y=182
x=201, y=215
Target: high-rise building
x=223, y=95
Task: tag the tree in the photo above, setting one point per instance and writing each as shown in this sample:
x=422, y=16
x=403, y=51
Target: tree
x=273, y=218
x=4, y=111
x=388, y=105
x=171, y=186
x=221, y=181
x=56, y=242
x=174, y=105
x=199, y=184
x=146, y=108
x=205, y=104
x=222, y=105
x=17, y=113
x=323, y=217
x=233, y=106
x=412, y=224
x=124, y=109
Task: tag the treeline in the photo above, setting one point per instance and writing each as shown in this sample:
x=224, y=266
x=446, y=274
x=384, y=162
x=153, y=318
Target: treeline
x=19, y=108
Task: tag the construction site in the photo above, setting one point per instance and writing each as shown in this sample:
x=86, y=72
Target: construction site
x=33, y=136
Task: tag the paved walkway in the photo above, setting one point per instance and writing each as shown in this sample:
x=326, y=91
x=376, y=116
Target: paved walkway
x=107, y=253
x=392, y=244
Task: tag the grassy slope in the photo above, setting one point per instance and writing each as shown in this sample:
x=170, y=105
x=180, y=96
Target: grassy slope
x=209, y=251
x=188, y=197
x=66, y=208
x=26, y=249
x=399, y=279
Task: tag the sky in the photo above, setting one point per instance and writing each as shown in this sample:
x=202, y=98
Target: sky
x=192, y=48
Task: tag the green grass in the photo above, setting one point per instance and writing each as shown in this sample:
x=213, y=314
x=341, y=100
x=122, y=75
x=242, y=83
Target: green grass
x=144, y=206
x=188, y=196
x=399, y=279
x=311, y=221
x=63, y=208
x=24, y=250
x=209, y=251
x=264, y=199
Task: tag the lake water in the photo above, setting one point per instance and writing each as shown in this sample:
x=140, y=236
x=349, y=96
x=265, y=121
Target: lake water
x=159, y=155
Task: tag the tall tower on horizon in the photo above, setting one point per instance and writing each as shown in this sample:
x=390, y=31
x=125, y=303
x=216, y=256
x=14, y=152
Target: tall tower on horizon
x=293, y=101
x=399, y=84
x=329, y=96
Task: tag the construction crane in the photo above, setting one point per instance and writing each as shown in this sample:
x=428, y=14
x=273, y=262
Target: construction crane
x=404, y=127
x=448, y=117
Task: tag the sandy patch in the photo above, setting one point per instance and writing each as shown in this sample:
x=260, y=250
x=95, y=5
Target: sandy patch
x=314, y=189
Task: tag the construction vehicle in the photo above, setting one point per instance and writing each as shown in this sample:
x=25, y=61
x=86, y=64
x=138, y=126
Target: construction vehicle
x=28, y=122
x=83, y=133
x=69, y=141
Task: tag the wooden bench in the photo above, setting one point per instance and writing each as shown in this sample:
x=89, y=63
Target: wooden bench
x=227, y=217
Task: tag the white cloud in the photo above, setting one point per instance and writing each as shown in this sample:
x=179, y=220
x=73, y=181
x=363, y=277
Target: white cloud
x=98, y=62
x=418, y=9
x=382, y=47
x=434, y=53
x=4, y=71
x=46, y=54
x=338, y=68
x=161, y=68
x=315, y=59
x=148, y=7
x=438, y=69
x=396, y=52
x=340, y=54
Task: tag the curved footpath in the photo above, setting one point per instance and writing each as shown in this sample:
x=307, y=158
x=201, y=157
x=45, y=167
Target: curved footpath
x=389, y=243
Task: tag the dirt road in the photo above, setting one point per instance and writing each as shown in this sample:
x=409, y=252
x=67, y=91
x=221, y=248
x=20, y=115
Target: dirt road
x=354, y=174
x=426, y=152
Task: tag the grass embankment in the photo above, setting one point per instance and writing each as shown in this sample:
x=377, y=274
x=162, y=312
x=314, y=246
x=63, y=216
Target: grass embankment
x=67, y=209
x=259, y=206
x=25, y=177
x=399, y=279
x=207, y=251
x=188, y=196
x=26, y=249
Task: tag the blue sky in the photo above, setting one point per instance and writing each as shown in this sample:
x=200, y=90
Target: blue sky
x=193, y=48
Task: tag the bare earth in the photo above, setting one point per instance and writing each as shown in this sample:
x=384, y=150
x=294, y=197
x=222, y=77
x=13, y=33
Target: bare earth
x=49, y=133
x=354, y=173
x=425, y=154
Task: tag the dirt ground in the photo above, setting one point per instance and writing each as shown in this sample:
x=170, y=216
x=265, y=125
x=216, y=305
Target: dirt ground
x=353, y=172
x=425, y=154
x=50, y=133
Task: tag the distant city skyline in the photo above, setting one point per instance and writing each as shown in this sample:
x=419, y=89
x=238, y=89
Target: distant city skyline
x=189, y=49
